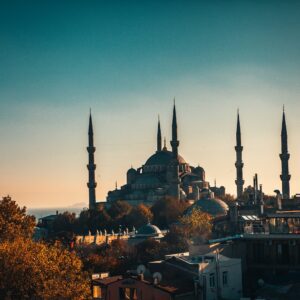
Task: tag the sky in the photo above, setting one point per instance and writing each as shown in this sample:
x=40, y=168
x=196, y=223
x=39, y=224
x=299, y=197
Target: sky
x=127, y=60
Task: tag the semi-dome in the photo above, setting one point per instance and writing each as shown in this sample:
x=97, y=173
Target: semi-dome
x=149, y=230
x=212, y=206
x=163, y=158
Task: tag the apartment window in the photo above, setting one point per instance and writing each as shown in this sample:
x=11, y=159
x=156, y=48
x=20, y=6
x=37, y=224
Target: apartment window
x=225, y=278
x=212, y=280
x=97, y=292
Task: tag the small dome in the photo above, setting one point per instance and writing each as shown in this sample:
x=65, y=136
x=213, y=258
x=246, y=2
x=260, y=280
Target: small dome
x=163, y=158
x=131, y=171
x=198, y=170
x=212, y=206
x=149, y=230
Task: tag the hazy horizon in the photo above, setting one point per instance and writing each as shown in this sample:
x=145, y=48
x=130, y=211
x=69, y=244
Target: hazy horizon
x=127, y=63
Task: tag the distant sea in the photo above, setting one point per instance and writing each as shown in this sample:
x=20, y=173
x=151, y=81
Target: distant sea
x=42, y=212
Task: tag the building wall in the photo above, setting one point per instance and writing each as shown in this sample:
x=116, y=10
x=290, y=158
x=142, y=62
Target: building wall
x=214, y=273
x=144, y=291
x=98, y=239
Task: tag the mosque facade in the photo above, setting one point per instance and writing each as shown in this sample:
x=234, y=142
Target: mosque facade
x=164, y=174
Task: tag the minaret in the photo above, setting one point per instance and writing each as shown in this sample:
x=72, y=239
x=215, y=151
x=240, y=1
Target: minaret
x=158, y=136
x=91, y=167
x=174, y=165
x=174, y=141
x=239, y=162
x=284, y=156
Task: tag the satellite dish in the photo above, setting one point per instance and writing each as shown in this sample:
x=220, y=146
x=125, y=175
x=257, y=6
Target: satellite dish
x=141, y=269
x=157, y=277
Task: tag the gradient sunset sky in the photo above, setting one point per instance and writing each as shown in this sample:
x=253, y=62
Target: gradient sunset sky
x=127, y=60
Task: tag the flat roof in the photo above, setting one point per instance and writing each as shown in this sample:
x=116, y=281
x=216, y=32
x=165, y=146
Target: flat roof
x=270, y=236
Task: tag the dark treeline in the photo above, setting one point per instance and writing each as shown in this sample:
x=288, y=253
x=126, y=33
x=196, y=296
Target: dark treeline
x=120, y=216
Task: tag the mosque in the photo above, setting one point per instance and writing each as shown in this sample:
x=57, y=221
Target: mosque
x=165, y=174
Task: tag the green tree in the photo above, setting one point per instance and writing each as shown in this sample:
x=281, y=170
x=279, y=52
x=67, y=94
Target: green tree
x=36, y=270
x=14, y=222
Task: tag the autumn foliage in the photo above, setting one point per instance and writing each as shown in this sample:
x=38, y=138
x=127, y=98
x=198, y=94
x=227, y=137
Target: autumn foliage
x=196, y=224
x=35, y=270
x=14, y=222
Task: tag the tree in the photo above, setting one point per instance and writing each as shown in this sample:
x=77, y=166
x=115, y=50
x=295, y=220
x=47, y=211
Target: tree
x=64, y=222
x=115, y=258
x=150, y=249
x=119, y=209
x=176, y=239
x=93, y=220
x=167, y=211
x=228, y=198
x=196, y=224
x=36, y=270
x=13, y=221
x=139, y=216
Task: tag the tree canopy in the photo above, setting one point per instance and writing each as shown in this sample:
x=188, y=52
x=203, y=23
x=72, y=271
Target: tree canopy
x=196, y=224
x=37, y=270
x=167, y=211
x=14, y=222
x=139, y=216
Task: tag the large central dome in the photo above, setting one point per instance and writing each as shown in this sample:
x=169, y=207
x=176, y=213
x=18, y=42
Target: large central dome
x=162, y=158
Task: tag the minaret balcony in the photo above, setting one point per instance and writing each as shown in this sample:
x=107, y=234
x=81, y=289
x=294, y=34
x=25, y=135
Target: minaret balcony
x=174, y=143
x=92, y=185
x=285, y=177
x=239, y=164
x=91, y=149
x=91, y=167
x=284, y=156
x=239, y=181
x=239, y=148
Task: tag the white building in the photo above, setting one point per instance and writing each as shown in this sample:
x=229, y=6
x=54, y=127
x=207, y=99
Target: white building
x=218, y=275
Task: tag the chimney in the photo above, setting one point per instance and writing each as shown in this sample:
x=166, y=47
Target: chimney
x=141, y=276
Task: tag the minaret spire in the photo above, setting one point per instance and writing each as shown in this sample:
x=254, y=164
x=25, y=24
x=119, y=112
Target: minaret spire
x=239, y=161
x=91, y=166
x=158, y=136
x=174, y=179
x=174, y=141
x=284, y=156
